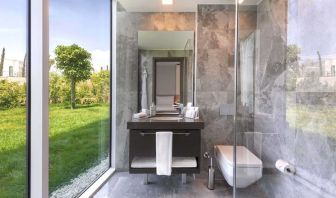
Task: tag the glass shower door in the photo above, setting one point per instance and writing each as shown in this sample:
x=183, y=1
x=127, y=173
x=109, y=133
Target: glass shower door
x=286, y=97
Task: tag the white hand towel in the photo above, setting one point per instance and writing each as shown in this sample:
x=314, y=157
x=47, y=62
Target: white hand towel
x=140, y=115
x=164, y=152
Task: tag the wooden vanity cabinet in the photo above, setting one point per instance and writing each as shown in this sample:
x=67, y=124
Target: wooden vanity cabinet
x=186, y=142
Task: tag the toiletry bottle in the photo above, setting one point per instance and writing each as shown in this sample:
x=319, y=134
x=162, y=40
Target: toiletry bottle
x=152, y=110
x=181, y=110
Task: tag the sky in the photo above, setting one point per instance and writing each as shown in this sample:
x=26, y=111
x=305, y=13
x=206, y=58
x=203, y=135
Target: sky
x=13, y=28
x=83, y=22
x=311, y=26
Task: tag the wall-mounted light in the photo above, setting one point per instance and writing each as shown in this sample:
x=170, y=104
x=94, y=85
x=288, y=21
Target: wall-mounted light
x=167, y=2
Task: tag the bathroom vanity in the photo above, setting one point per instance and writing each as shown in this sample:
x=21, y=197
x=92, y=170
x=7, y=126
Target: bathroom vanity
x=186, y=143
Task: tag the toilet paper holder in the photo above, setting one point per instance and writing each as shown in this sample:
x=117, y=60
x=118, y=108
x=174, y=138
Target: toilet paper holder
x=285, y=167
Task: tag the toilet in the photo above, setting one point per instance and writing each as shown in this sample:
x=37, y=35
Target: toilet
x=248, y=169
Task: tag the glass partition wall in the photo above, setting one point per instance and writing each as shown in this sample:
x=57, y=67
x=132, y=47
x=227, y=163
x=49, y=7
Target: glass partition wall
x=13, y=98
x=286, y=95
x=79, y=95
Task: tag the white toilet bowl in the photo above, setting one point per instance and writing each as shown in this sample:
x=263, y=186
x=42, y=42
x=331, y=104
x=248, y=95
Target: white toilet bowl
x=248, y=169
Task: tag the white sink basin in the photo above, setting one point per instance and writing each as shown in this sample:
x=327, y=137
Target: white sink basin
x=166, y=118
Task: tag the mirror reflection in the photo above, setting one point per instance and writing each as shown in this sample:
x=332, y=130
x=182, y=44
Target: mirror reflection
x=166, y=68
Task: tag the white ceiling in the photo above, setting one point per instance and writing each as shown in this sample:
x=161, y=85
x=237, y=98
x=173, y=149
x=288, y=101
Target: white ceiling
x=178, y=6
x=161, y=40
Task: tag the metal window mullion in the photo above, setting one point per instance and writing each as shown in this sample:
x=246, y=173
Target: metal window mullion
x=39, y=115
x=113, y=81
x=236, y=62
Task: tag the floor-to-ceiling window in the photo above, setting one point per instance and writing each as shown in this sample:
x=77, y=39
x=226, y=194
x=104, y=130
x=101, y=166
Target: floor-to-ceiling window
x=79, y=94
x=13, y=97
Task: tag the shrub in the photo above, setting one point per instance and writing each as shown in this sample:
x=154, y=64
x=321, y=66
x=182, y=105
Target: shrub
x=101, y=85
x=88, y=101
x=84, y=90
x=92, y=91
x=59, y=89
x=12, y=94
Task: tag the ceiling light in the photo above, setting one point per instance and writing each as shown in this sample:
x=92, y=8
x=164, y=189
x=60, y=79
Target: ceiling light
x=241, y=1
x=167, y=2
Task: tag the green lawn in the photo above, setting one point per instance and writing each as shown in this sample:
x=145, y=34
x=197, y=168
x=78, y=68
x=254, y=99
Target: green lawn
x=78, y=140
x=316, y=119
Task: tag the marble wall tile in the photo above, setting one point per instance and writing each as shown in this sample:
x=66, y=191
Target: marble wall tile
x=181, y=21
x=277, y=185
x=215, y=69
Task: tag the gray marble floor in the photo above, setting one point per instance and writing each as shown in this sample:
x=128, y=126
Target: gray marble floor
x=125, y=185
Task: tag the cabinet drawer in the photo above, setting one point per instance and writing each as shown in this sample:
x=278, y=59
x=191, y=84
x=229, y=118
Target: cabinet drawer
x=185, y=143
x=142, y=145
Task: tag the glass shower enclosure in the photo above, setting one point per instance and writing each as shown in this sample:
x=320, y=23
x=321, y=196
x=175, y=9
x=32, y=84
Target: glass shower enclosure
x=285, y=96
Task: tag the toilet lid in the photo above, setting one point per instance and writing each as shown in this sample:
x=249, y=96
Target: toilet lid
x=245, y=158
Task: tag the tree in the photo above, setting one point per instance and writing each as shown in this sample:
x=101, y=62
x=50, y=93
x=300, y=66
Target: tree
x=75, y=63
x=320, y=62
x=2, y=61
x=293, y=68
x=293, y=53
x=23, y=72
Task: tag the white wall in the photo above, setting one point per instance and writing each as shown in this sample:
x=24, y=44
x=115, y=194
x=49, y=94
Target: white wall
x=166, y=78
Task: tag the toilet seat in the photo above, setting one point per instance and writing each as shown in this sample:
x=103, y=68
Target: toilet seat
x=248, y=166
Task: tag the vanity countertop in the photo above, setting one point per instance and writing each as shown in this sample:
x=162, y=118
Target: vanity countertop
x=152, y=123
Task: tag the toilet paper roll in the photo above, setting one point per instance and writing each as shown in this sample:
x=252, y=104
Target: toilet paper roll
x=285, y=167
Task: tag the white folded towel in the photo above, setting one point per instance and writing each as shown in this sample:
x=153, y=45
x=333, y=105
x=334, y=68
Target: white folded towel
x=164, y=152
x=140, y=115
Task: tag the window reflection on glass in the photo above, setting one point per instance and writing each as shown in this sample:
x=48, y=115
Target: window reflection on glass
x=294, y=84
x=79, y=87
x=311, y=70
x=13, y=160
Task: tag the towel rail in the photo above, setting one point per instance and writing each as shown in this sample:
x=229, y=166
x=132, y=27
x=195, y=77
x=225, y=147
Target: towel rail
x=143, y=134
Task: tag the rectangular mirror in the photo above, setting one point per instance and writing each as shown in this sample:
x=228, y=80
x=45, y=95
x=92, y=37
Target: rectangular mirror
x=166, y=69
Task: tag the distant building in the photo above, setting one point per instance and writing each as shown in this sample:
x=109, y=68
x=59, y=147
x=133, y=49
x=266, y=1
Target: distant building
x=13, y=71
x=326, y=73
x=12, y=68
x=328, y=67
